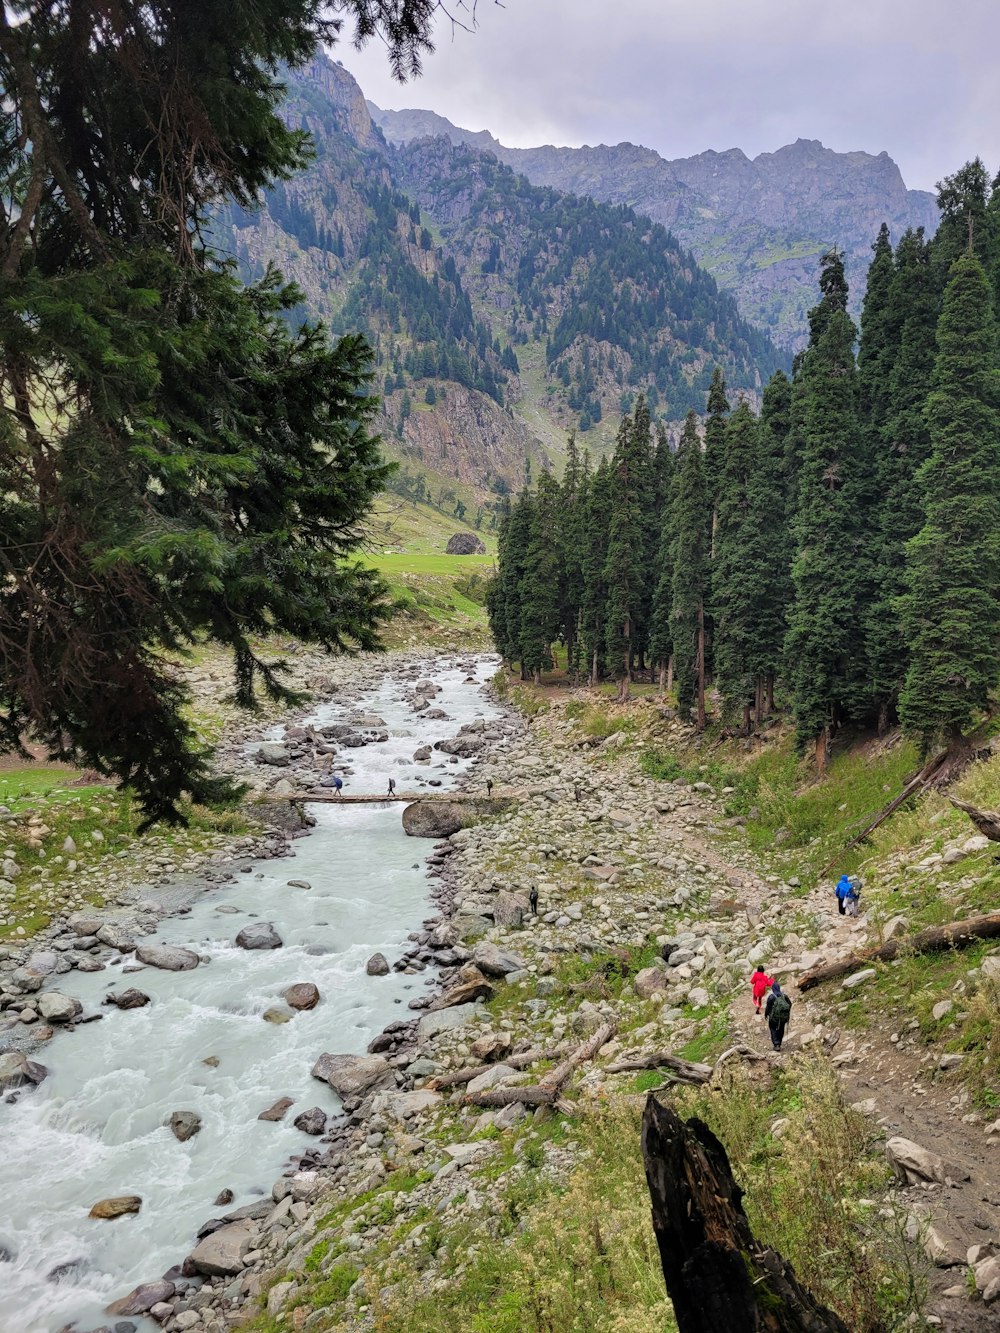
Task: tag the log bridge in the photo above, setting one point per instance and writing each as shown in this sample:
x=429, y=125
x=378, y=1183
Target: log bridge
x=328, y=798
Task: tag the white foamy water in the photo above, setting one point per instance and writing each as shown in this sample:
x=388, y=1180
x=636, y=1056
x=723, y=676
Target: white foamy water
x=95, y=1128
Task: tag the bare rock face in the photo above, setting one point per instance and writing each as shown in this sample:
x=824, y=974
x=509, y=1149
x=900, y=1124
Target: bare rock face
x=303, y=995
x=465, y=543
x=118, y=1206
x=354, y=1075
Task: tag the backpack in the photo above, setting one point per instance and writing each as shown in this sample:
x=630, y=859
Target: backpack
x=781, y=1010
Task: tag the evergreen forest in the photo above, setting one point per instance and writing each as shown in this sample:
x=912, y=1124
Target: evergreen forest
x=835, y=556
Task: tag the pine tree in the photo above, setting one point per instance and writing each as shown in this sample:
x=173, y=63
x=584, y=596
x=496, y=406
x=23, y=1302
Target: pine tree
x=572, y=537
x=624, y=571
x=513, y=577
x=692, y=523
x=951, y=610
x=736, y=570
x=661, y=628
x=496, y=600
x=768, y=493
x=824, y=648
x=540, y=603
x=595, y=589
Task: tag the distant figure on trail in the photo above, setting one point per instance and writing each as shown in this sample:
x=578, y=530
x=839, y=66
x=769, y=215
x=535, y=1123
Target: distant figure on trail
x=489, y=786
x=760, y=984
x=577, y=793
x=533, y=898
x=392, y=787
x=338, y=783
x=848, y=893
x=777, y=1011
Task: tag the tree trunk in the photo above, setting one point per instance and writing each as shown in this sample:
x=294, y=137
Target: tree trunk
x=663, y=679
x=986, y=821
x=956, y=935
x=456, y=1077
x=883, y=718
x=593, y=670
x=929, y=771
x=770, y=694
x=701, y=666
x=720, y=1278
x=670, y=672
x=547, y=1091
x=747, y=726
x=822, y=750
x=682, y=1071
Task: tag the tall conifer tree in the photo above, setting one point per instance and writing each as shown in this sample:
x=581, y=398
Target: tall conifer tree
x=768, y=491
x=692, y=528
x=736, y=570
x=595, y=588
x=951, y=611
x=624, y=571
x=540, y=602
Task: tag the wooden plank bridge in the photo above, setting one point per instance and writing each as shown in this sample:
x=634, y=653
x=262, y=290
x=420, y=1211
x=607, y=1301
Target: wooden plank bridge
x=407, y=797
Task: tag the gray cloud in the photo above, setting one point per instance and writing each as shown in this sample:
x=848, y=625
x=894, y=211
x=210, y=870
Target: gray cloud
x=918, y=78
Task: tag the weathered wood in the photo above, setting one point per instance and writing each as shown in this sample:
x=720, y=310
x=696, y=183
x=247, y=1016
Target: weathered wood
x=682, y=1071
x=956, y=935
x=458, y=1076
x=719, y=1277
x=986, y=821
x=547, y=1091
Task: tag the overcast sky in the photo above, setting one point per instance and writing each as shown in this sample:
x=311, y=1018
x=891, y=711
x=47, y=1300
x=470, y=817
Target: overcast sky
x=918, y=78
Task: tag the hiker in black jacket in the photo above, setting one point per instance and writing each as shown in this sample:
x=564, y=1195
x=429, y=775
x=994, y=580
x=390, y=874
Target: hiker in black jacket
x=777, y=1011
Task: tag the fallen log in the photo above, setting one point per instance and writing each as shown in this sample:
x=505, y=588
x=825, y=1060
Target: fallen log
x=986, y=821
x=956, y=935
x=546, y=1091
x=681, y=1071
x=719, y=1277
x=458, y=1076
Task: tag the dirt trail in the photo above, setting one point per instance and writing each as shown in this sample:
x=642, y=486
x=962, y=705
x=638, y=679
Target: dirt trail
x=902, y=1089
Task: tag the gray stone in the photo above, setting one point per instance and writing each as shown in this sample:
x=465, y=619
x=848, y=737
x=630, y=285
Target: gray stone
x=913, y=1164
x=446, y=1020
x=224, y=1250
x=464, y=1153
x=858, y=978
x=354, y=1075
x=312, y=1121
x=127, y=999
x=272, y=752
x=277, y=1110
x=494, y=1075
x=649, y=981
x=258, y=935
x=493, y=962
x=433, y=819
x=169, y=957
x=303, y=995
x=465, y=543
x=57, y=1008
x=17, y=1071
x=377, y=966
x=508, y=910
x=116, y=936
x=43, y=963
x=141, y=1299
x=27, y=979
x=941, y=1010
x=184, y=1125
x=403, y=1105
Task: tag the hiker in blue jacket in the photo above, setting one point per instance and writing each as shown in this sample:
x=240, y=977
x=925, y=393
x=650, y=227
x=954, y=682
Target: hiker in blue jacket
x=848, y=895
x=777, y=1011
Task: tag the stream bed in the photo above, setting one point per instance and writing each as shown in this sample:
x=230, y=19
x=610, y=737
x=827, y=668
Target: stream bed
x=97, y=1126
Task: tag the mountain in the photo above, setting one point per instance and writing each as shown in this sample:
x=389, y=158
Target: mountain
x=759, y=226
x=503, y=314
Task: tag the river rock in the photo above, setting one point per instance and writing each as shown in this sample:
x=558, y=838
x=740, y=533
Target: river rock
x=469, y=985
x=490, y=1078
x=57, y=1008
x=493, y=962
x=223, y=1251
x=377, y=965
x=433, y=819
x=127, y=999
x=277, y=1016
x=302, y=995
x=141, y=1299
x=422, y=754
x=494, y=1046
x=354, y=1075
x=509, y=910
x=27, y=979
x=116, y=936
x=312, y=1121
x=118, y=1206
x=259, y=935
x=169, y=957
x=273, y=752
x=43, y=963
x=223, y=1197
x=276, y=1111
x=17, y=1071
x=465, y=543
x=184, y=1124
x=431, y=1024
x=649, y=981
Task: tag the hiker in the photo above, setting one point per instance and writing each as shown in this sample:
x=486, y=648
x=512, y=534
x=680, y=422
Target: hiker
x=848, y=893
x=760, y=984
x=578, y=794
x=338, y=783
x=392, y=787
x=489, y=786
x=777, y=1011
x=533, y=898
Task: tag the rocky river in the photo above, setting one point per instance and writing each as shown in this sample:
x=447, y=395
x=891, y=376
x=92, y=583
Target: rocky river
x=220, y=1038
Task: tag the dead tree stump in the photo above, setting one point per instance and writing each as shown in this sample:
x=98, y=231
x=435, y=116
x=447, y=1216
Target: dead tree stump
x=720, y=1278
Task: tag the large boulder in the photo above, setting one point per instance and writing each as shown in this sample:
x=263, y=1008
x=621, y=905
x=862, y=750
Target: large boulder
x=259, y=935
x=118, y=1206
x=169, y=957
x=222, y=1253
x=433, y=819
x=127, y=999
x=469, y=984
x=274, y=753
x=377, y=966
x=27, y=979
x=354, y=1075
x=312, y=1121
x=17, y=1071
x=649, y=981
x=465, y=543
x=141, y=1299
x=277, y=1110
x=116, y=936
x=913, y=1164
x=465, y=744
x=509, y=910
x=57, y=1008
x=493, y=962
x=184, y=1125
x=303, y=995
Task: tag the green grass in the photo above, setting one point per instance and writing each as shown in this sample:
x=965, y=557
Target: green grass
x=26, y=785
x=411, y=562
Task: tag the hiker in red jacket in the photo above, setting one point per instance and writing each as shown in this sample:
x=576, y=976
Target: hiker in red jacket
x=760, y=984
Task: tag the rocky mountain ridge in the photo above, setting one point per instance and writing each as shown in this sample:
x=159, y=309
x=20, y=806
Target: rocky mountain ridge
x=758, y=225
